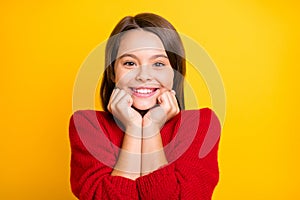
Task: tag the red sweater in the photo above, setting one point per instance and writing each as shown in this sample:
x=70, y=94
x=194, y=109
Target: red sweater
x=190, y=142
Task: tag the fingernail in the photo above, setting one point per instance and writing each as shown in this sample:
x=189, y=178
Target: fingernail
x=173, y=91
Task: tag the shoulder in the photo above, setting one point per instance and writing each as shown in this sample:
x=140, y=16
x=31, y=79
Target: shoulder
x=208, y=128
x=203, y=117
x=90, y=114
x=90, y=117
x=84, y=122
x=203, y=113
x=91, y=131
x=196, y=132
x=188, y=120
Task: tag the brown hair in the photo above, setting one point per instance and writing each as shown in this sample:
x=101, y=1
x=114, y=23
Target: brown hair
x=170, y=39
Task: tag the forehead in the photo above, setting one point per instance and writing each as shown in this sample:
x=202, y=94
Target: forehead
x=139, y=40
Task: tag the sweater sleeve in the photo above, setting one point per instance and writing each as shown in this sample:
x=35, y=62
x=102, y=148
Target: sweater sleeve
x=90, y=178
x=194, y=174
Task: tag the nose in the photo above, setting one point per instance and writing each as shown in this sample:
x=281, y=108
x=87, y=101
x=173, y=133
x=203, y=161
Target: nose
x=144, y=73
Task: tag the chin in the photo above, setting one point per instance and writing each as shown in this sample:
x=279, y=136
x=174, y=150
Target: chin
x=143, y=106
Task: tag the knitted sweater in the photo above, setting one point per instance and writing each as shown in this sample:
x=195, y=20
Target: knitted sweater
x=190, y=142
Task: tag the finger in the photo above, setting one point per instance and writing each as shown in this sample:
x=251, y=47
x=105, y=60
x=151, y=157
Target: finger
x=171, y=102
x=174, y=101
x=126, y=99
x=159, y=99
x=165, y=102
x=118, y=97
x=173, y=106
x=112, y=97
x=173, y=92
x=115, y=98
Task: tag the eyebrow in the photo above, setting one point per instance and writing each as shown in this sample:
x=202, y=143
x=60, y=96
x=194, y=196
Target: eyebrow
x=135, y=57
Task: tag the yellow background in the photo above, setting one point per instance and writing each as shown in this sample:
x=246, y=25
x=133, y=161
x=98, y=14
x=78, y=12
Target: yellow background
x=255, y=45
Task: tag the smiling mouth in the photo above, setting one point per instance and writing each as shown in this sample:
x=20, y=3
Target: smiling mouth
x=143, y=92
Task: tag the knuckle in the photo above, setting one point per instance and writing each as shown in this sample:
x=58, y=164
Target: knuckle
x=119, y=106
x=112, y=105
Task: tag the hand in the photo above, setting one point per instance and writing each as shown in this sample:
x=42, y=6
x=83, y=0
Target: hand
x=120, y=106
x=166, y=109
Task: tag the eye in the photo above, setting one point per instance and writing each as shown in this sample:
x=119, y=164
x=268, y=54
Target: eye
x=159, y=64
x=129, y=63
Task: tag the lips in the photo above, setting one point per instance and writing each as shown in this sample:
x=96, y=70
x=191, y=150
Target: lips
x=143, y=92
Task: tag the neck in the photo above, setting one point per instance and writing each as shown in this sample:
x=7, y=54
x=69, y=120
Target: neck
x=142, y=112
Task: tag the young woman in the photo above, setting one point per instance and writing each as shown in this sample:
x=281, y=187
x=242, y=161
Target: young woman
x=144, y=145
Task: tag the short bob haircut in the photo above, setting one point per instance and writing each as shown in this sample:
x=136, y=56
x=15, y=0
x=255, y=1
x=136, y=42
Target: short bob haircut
x=170, y=39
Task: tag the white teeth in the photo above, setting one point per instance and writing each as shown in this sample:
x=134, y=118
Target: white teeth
x=143, y=91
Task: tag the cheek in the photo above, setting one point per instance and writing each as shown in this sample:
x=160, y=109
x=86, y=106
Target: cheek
x=118, y=77
x=120, y=80
x=119, y=74
x=166, y=78
x=123, y=77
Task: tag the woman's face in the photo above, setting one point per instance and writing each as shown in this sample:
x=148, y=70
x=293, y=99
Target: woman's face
x=142, y=68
